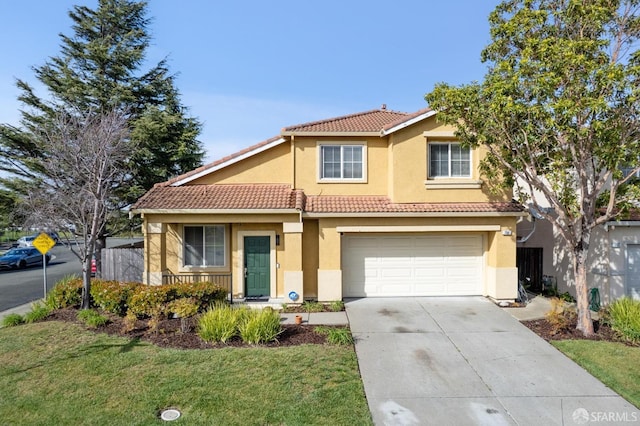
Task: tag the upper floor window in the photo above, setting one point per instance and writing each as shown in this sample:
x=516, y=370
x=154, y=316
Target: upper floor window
x=204, y=246
x=450, y=160
x=342, y=162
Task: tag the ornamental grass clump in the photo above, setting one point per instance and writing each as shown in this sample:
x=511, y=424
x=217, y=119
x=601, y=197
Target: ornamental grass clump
x=12, y=320
x=39, y=311
x=561, y=317
x=260, y=327
x=624, y=317
x=336, y=335
x=220, y=323
x=92, y=318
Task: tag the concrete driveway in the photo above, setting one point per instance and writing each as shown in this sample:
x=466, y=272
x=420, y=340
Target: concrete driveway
x=464, y=361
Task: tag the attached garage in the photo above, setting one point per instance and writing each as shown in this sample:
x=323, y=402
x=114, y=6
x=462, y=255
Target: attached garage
x=441, y=264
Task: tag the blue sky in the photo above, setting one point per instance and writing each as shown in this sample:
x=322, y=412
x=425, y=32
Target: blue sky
x=248, y=68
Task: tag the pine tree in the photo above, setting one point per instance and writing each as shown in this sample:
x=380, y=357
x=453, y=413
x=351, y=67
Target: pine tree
x=98, y=69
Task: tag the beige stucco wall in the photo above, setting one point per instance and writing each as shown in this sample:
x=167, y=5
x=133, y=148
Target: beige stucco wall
x=271, y=166
x=307, y=167
x=408, y=158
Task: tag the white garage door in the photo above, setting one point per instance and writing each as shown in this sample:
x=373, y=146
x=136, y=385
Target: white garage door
x=433, y=265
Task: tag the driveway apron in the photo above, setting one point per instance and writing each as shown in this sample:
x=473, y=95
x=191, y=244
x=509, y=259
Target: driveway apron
x=464, y=361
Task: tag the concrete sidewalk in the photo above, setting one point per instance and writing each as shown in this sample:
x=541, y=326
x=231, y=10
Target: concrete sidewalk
x=317, y=318
x=464, y=361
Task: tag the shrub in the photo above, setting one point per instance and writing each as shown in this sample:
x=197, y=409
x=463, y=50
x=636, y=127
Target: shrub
x=220, y=323
x=624, y=317
x=185, y=307
x=560, y=317
x=336, y=306
x=112, y=296
x=39, y=311
x=129, y=322
x=12, y=320
x=149, y=301
x=336, y=335
x=67, y=293
x=206, y=293
x=260, y=327
x=92, y=318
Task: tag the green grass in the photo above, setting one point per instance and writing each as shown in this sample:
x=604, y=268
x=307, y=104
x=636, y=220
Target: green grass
x=57, y=373
x=614, y=364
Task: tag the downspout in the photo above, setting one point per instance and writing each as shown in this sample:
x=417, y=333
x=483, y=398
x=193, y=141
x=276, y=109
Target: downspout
x=293, y=162
x=525, y=238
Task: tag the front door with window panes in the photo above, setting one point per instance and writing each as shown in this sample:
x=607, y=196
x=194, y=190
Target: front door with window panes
x=257, y=264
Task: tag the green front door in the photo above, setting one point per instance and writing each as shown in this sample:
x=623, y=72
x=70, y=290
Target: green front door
x=257, y=266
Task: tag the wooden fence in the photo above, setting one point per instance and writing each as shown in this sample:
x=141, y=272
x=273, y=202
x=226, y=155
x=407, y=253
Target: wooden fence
x=123, y=264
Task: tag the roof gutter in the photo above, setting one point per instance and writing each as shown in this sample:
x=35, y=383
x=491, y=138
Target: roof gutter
x=416, y=214
x=622, y=223
x=214, y=211
x=330, y=134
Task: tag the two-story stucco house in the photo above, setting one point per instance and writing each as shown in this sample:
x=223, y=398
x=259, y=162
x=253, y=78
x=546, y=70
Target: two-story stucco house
x=378, y=203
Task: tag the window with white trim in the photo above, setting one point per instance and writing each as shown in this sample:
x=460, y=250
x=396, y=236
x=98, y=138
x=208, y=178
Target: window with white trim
x=342, y=162
x=204, y=246
x=449, y=160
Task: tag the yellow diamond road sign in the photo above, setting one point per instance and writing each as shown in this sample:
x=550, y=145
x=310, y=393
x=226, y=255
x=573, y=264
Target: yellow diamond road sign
x=43, y=243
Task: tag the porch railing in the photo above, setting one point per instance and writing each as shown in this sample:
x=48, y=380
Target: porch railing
x=223, y=280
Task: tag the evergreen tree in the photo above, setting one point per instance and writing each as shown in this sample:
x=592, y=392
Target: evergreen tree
x=99, y=69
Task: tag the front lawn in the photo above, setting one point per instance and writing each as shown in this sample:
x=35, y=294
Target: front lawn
x=614, y=364
x=57, y=373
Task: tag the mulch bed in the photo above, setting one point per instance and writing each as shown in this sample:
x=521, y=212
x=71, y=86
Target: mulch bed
x=603, y=332
x=170, y=335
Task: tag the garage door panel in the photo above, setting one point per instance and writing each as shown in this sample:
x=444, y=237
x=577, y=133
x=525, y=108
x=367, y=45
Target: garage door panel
x=412, y=265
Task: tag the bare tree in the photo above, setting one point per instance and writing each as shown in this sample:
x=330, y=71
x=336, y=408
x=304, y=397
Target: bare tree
x=87, y=154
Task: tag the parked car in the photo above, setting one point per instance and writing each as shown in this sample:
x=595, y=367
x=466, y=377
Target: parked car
x=26, y=241
x=21, y=258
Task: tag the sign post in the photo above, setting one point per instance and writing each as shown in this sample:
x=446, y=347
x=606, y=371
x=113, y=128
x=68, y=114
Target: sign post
x=44, y=243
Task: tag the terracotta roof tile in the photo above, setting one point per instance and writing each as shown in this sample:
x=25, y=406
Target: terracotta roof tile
x=222, y=197
x=367, y=121
x=375, y=204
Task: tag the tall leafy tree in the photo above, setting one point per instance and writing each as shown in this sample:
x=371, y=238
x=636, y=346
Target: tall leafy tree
x=101, y=67
x=558, y=112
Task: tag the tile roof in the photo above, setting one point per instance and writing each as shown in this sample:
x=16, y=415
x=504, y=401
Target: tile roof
x=375, y=204
x=278, y=196
x=367, y=121
x=374, y=121
x=221, y=197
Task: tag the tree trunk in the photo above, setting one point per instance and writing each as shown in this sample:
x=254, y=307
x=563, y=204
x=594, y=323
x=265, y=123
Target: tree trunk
x=585, y=324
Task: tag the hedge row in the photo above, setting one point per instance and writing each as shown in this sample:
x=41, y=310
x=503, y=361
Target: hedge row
x=141, y=300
